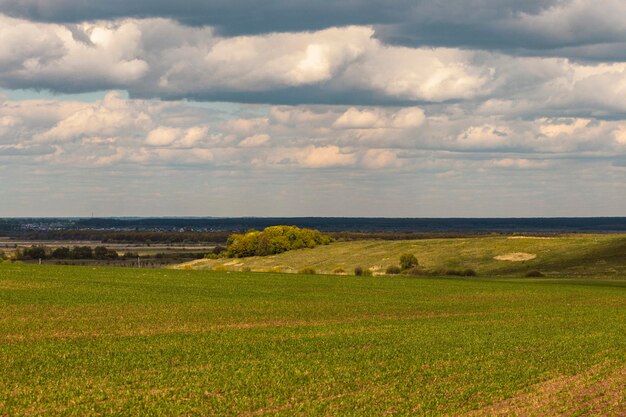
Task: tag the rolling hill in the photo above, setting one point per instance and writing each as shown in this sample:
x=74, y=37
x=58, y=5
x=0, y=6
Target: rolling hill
x=569, y=255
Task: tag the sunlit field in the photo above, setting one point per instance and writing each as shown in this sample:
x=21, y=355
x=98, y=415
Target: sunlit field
x=94, y=341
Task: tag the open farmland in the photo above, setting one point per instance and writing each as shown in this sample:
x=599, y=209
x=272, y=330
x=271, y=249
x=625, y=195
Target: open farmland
x=569, y=255
x=93, y=341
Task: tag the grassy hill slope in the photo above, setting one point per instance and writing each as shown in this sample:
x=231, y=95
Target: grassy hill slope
x=575, y=255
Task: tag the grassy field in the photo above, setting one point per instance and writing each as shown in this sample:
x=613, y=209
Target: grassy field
x=94, y=341
x=574, y=255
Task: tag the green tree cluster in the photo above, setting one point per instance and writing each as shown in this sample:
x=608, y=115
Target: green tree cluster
x=34, y=252
x=63, y=252
x=273, y=240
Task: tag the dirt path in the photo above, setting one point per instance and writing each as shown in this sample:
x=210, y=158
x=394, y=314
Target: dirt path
x=597, y=392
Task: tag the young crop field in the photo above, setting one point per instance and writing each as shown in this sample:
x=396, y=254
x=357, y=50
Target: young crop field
x=99, y=341
x=571, y=255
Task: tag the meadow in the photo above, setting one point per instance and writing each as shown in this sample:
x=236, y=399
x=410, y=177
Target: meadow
x=582, y=255
x=120, y=341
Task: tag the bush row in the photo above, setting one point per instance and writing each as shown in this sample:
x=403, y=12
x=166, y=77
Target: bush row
x=64, y=252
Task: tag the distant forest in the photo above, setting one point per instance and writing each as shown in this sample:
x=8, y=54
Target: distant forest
x=217, y=230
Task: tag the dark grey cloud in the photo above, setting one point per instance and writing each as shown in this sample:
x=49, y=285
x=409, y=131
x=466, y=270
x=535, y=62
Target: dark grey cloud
x=232, y=17
x=521, y=27
x=572, y=28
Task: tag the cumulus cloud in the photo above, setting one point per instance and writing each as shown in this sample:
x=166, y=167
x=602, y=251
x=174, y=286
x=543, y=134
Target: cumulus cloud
x=157, y=58
x=324, y=157
x=368, y=118
x=163, y=136
x=620, y=134
x=116, y=130
x=52, y=56
x=130, y=141
x=254, y=141
x=106, y=118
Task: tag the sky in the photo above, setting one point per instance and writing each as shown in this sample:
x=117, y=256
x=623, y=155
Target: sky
x=395, y=108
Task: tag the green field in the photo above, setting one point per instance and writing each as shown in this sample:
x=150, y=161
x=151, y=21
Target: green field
x=96, y=341
x=572, y=255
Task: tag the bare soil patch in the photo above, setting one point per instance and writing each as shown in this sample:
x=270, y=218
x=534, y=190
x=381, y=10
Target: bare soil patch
x=516, y=257
x=600, y=391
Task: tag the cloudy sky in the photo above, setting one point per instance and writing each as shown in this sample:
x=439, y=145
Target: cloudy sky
x=395, y=108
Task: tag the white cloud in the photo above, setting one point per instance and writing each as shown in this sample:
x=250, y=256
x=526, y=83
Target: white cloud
x=325, y=157
x=46, y=55
x=620, y=134
x=371, y=118
x=430, y=74
x=162, y=58
x=555, y=128
x=520, y=163
x=117, y=131
x=254, y=141
x=163, y=136
x=106, y=118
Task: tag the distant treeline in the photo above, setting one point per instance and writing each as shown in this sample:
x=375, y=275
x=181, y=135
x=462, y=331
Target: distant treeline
x=326, y=224
x=106, y=236
x=98, y=253
x=8, y=226
x=77, y=252
x=149, y=237
x=329, y=224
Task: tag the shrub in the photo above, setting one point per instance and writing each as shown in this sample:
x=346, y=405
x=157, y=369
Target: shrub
x=415, y=271
x=393, y=270
x=246, y=269
x=469, y=273
x=61, y=252
x=101, y=252
x=2, y=256
x=34, y=252
x=220, y=268
x=339, y=270
x=359, y=271
x=307, y=271
x=81, y=252
x=408, y=261
x=535, y=274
